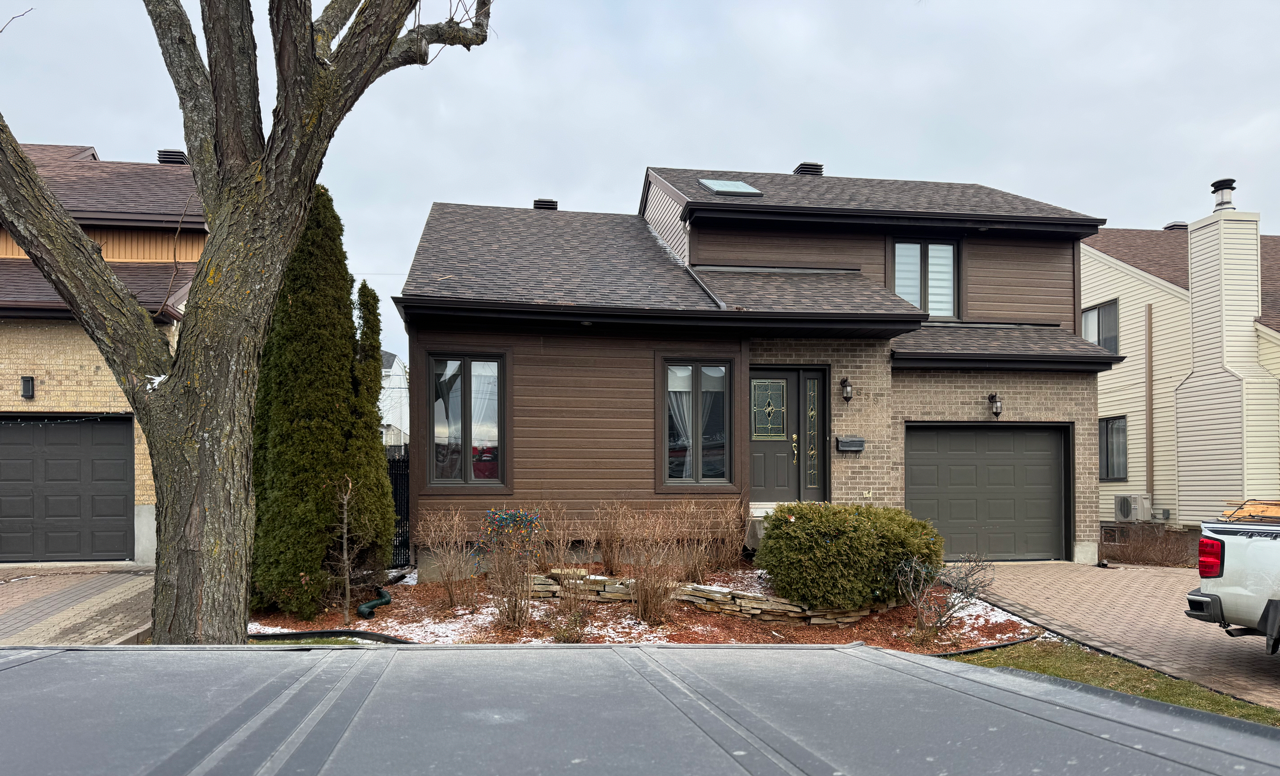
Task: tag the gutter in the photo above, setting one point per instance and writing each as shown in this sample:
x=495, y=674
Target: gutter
x=734, y=207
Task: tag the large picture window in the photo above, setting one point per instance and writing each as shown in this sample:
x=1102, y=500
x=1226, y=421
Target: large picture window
x=466, y=420
x=697, y=422
x=924, y=274
x=1101, y=325
x=1113, y=445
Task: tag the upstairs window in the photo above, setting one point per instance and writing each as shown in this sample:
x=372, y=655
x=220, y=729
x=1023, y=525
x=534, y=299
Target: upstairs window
x=1101, y=325
x=1113, y=445
x=924, y=274
x=466, y=420
x=697, y=422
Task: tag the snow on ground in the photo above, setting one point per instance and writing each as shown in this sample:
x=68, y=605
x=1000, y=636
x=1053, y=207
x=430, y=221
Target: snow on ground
x=412, y=579
x=744, y=581
x=978, y=614
x=256, y=629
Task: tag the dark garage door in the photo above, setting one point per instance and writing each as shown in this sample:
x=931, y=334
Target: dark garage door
x=994, y=491
x=66, y=490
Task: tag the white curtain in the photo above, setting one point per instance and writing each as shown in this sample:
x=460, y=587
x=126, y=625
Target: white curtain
x=680, y=419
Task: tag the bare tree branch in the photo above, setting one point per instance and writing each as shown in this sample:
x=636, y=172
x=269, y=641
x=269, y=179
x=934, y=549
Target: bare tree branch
x=411, y=48
x=72, y=263
x=332, y=19
x=195, y=96
x=233, y=75
x=296, y=65
x=17, y=16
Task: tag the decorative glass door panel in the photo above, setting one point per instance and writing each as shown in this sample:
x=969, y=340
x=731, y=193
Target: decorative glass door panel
x=788, y=435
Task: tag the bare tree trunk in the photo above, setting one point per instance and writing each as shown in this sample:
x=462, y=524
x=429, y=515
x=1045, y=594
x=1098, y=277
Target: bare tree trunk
x=196, y=406
x=344, y=499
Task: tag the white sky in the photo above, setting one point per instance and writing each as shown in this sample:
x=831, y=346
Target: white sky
x=1120, y=109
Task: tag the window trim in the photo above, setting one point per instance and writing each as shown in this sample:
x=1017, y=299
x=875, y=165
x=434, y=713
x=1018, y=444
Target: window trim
x=734, y=362
x=500, y=486
x=1104, y=434
x=956, y=280
x=1109, y=303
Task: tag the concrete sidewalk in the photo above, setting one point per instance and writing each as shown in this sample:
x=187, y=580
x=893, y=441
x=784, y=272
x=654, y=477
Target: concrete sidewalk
x=74, y=604
x=1136, y=612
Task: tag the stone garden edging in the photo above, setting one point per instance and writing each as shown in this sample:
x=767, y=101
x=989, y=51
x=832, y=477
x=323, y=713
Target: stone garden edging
x=721, y=600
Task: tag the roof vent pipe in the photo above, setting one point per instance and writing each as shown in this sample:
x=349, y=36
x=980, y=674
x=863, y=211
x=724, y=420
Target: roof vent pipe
x=545, y=204
x=171, y=156
x=1222, y=189
x=807, y=168
x=1176, y=226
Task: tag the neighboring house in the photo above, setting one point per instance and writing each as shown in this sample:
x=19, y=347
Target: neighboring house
x=1193, y=414
x=394, y=402
x=75, y=477
x=759, y=338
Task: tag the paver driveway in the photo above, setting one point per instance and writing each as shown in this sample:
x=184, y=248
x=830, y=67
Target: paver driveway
x=73, y=605
x=1136, y=612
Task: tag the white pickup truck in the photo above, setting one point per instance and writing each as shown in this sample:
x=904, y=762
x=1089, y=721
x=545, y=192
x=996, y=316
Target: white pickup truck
x=1240, y=577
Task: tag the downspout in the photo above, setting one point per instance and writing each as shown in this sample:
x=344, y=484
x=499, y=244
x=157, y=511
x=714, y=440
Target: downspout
x=1151, y=420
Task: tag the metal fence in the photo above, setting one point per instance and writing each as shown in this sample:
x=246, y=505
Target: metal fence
x=398, y=469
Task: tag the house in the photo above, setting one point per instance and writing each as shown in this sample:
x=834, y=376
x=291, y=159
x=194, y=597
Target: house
x=1191, y=418
x=75, y=477
x=394, y=401
x=759, y=338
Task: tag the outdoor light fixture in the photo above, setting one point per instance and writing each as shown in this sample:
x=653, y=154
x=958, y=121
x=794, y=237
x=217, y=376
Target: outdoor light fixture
x=28, y=387
x=997, y=406
x=846, y=390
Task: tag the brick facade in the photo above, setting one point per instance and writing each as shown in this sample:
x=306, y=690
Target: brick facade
x=885, y=400
x=71, y=376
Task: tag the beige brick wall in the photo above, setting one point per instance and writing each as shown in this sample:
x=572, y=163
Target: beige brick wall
x=885, y=400
x=71, y=376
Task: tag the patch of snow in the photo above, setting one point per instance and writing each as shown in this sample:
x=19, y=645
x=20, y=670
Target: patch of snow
x=412, y=579
x=595, y=576
x=256, y=629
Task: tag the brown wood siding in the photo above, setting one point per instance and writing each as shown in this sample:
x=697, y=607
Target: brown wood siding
x=736, y=248
x=1007, y=280
x=129, y=244
x=583, y=420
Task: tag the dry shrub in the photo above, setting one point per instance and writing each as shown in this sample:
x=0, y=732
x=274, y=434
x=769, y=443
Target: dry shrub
x=730, y=527
x=940, y=594
x=658, y=560
x=1149, y=544
x=444, y=533
x=612, y=523
x=512, y=541
x=564, y=541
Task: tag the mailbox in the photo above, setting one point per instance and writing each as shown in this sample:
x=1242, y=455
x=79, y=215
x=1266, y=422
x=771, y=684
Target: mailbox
x=850, y=444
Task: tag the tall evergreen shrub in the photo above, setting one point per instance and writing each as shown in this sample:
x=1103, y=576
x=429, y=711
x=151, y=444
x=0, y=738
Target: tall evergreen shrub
x=315, y=405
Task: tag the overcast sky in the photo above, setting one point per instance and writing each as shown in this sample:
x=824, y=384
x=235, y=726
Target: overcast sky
x=1122, y=110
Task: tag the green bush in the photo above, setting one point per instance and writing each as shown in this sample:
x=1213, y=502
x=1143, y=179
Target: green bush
x=841, y=557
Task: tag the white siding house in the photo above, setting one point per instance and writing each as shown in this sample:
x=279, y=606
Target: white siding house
x=394, y=402
x=1199, y=386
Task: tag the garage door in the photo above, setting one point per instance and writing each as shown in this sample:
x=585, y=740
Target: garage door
x=66, y=490
x=994, y=491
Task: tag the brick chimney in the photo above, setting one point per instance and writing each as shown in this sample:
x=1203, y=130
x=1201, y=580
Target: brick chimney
x=1228, y=407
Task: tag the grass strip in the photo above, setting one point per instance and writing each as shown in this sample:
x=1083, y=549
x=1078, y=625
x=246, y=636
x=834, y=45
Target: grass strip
x=1067, y=660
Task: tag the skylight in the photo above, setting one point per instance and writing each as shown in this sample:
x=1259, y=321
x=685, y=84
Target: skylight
x=730, y=188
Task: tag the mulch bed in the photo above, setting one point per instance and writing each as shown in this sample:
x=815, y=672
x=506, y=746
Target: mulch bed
x=421, y=613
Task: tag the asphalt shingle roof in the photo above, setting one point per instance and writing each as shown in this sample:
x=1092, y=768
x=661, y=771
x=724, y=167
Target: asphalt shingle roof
x=991, y=341
x=548, y=257
x=24, y=286
x=870, y=194
x=1164, y=253
x=123, y=188
x=388, y=359
x=804, y=292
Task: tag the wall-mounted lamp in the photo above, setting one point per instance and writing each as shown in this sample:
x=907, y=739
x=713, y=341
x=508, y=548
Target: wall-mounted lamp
x=28, y=387
x=846, y=390
x=997, y=406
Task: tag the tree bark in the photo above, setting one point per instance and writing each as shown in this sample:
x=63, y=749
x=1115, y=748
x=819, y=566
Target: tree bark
x=196, y=406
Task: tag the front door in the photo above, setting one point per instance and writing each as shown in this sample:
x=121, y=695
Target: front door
x=788, y=435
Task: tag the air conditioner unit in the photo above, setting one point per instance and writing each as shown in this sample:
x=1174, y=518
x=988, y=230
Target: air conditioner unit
x=1132, y=508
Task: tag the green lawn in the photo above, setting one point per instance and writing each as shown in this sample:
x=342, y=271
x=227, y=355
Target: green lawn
x=1070, y=661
